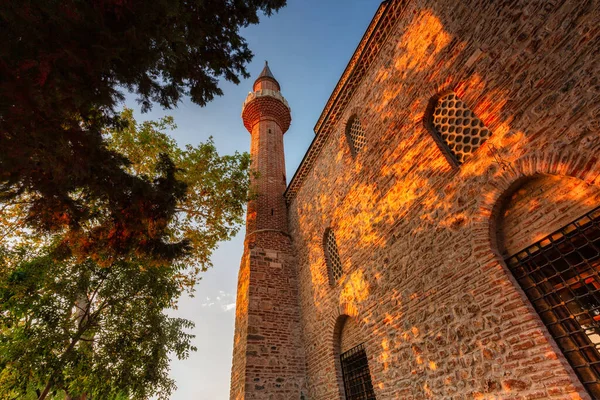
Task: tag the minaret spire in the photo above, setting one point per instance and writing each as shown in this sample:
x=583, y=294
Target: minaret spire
x=266, y=72
x=266, y=75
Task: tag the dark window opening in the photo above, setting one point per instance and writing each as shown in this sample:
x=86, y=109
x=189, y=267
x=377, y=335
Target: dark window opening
x=355, y=134
x=356, y=374
x=560, y=275
x=332, y=257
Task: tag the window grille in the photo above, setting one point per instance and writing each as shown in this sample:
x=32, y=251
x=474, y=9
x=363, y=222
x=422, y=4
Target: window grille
x=560, y=276
x=356, y=374
x=460, y=130
x=332, y=256
x=355, y=134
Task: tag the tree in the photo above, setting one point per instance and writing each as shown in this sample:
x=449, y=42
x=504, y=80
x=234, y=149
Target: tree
x=63, y=64
x=114, y=343
x=96, y=325
x=217, y=186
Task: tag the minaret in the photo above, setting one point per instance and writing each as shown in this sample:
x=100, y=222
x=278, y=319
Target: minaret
x=267, y=117
x=268, y=358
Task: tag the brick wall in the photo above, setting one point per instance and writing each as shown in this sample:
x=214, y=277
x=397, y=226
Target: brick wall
x=240, y=347
x=540, y=206
x=424, y=280
x=268, y=209
x=351, y=336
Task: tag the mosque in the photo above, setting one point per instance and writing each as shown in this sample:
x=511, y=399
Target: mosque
x=441, y=237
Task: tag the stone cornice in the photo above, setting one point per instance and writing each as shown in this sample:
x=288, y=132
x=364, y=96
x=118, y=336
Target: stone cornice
x=372, y=41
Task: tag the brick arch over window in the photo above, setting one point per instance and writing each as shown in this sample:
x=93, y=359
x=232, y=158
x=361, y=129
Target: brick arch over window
x=500, y=186
x=332, y=256
x=455, y=127
x=540, y=205
x=355, y=134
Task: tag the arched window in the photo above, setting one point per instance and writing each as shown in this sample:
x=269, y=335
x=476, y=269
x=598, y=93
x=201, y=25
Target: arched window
x=355, y=135
x=353, y=367
x=457, y=127
x=560, y=274
x=356, y=374
x=332, y=256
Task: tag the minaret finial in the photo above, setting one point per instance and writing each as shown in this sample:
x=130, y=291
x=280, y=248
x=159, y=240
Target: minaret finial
x=266, y=74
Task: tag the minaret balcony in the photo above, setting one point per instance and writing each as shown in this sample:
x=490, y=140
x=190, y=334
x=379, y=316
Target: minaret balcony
x=266, y=104
x=265, y=92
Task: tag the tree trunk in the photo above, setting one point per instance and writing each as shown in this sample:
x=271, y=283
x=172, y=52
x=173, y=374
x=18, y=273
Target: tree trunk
x=46, y=390
x=82, y=307
x=63, y=357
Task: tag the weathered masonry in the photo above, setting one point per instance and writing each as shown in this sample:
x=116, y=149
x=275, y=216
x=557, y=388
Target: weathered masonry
x=441, y=237
x=268, y=356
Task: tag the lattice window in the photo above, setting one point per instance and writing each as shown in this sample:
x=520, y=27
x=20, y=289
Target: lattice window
x=355, y=134
x=332, y=256
x=356, y=374
x=560, y=275
x=458, y=128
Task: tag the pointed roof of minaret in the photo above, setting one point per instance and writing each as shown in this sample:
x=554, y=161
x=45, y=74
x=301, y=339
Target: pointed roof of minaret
x=266, y=74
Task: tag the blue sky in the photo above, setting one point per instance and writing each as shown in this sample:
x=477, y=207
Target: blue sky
x=307, y=44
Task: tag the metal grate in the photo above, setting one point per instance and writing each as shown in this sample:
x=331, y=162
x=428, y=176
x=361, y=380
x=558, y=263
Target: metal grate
x=560, y=276
x=332, y=256
x=355, y=134
x=355, y=371
x=458, y=127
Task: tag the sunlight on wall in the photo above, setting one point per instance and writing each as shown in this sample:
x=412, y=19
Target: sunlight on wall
x=417, y=49
x=521, y=224
x=424, y=38
x=417, y=183
x=355, y=289
x=361, y=208
x=243, y=289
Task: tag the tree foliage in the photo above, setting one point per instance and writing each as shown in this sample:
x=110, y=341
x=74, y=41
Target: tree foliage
x=84, y=328
x=81, y=322
x=217, y=186
x=62, y=66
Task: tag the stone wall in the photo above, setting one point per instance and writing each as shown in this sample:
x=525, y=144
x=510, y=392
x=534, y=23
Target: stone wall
x=424, y=279
x=268, y=358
